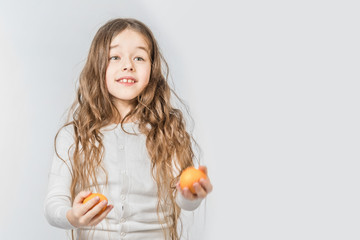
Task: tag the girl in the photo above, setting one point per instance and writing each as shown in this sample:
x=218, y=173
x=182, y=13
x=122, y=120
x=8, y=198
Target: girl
x=125, y=141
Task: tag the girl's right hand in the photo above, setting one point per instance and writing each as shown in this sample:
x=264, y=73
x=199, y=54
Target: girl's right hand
x=81, y=215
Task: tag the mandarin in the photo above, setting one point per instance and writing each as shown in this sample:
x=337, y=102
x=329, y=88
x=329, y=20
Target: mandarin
x=190, y=176
x=102, y=198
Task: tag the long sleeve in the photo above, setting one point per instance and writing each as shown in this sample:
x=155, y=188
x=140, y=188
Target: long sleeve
x=58, y=198
x=130, y=188
x=186, y=204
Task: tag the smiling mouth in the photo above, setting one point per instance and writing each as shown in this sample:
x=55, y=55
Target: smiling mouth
x=124, y=80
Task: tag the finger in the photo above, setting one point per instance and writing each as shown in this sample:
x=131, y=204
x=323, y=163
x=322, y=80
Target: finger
x=182, y=190
x=206, y=184
x=85, y=207
x=204, y=169
x=200, y=191
x=95, y=210
x=81, y=196
x=179, y=188
x=98, y=218
x=188, y=194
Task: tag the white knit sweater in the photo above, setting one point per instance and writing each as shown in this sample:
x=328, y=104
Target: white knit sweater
x=131, y=188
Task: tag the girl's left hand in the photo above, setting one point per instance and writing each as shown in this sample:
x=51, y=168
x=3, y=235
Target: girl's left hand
x=202, y=188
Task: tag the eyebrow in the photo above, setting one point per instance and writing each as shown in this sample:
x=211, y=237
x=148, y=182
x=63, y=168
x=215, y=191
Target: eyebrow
x=138, y=47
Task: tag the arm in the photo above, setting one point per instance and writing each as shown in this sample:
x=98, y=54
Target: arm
x=58, y=198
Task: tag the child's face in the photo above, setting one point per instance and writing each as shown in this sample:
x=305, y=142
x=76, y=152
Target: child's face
x=129, y=66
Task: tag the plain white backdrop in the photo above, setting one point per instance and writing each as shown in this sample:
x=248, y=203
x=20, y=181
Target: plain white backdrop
x=273, y=87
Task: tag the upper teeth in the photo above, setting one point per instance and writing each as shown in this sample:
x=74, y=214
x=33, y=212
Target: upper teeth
x=127, y=80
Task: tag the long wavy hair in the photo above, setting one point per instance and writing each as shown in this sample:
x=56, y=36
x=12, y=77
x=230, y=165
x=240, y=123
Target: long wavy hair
x=168, y=142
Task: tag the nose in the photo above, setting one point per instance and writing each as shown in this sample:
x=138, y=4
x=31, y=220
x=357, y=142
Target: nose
x=127, y=66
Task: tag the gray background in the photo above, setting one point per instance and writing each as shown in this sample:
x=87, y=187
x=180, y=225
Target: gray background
x=273, y=87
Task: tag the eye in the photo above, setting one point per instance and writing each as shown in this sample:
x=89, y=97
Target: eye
x=138, y=59
x=114, y=58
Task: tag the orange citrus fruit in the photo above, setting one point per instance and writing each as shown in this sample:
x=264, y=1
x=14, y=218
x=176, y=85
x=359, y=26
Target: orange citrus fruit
x=102, y=197
x=190, y=176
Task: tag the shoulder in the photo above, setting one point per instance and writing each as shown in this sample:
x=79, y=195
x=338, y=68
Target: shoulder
x=66, y=132
x=65, y=136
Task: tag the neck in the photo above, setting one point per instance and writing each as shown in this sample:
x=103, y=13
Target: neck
x=124, y=108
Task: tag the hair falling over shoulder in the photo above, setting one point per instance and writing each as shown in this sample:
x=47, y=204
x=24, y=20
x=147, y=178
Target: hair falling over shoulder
x=168, y=142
